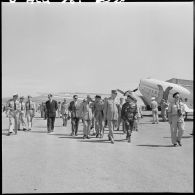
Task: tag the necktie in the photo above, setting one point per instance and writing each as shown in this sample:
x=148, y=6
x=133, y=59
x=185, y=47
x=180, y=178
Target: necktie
x=14, y=105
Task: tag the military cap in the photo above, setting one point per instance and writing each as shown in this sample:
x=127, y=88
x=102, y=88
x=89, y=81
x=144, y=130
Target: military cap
x=175, y=94
x=22, y=97
x=15, y=94
x=131, y=96
x=98, y=96
x=114, y=91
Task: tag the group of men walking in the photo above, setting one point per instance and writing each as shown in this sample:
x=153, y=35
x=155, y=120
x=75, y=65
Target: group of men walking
x=17, y=110
x=98, y=113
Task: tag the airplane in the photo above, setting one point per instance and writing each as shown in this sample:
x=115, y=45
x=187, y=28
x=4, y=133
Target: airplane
x=150, y=87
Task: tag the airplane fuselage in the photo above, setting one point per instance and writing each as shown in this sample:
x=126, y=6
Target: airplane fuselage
x=163, y=90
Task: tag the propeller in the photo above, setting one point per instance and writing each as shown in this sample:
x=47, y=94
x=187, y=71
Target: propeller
x=127, y=92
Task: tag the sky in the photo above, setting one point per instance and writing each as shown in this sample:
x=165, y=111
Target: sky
x=93, y=47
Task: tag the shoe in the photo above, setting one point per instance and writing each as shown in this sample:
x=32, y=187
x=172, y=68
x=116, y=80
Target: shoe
x=153, y=122
x=9, y=133
x=174, y=145
x=129, y=139
x=88, y=137
x=112, y=141
x=76, y=134
x=179, y=143
x=24, y=129
x=109, y=139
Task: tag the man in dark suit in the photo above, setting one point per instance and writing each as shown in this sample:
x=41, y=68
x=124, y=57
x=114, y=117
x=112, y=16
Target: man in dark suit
x=51, y=108
x=74, y=109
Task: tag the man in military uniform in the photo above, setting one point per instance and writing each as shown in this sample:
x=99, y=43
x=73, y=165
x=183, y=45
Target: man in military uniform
x=98, y=115
x=154, y=106
x=111, y=114
x=30, y=112
x=74, y=107
x=129, y=114
x=86, y=115
x=13, y=114
x=22, y=114
x=64, y=112
x=119, y=114
x=164, y=107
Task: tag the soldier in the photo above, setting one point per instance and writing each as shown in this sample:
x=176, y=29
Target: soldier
x=13, y=114
x=86, y=115
x=42, y=110
x=30, y=112
x=129, y=114
x=164, y=107
x=154, y=106
x=98, y=115
x=136, y=120
x=64, y=112
x=74, y=107
x=22, y=114
x=119, y=114
x=111, y=114
x=59, y=110
x=176, y=113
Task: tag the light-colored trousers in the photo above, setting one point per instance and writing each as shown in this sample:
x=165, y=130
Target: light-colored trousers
x=21, y=120
x=29, y=117
x=111, y=126
x=65, y=119
x=177, y=129
x=155, y=115
x=13, y=121
x=86, y=127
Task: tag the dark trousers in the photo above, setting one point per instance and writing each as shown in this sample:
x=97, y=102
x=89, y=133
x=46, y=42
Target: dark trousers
x=129, y=127
x=50, y=124
x=75, y=125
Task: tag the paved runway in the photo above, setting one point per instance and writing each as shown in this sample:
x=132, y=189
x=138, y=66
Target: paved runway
x=35, y=162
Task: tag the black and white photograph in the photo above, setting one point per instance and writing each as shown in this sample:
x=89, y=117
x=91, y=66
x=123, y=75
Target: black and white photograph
x=97, y=97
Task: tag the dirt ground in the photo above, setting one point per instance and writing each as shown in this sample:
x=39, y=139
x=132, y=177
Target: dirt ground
x=35, y=162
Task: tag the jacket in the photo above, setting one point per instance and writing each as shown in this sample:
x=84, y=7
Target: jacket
x=51, y=108
x=110, y=109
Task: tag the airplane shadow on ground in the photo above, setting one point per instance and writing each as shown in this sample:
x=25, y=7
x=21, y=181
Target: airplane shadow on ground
x=153, y=145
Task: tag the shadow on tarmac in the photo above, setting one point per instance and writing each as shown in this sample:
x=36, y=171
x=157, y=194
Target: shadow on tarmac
x=190, y=136
x=101, y=140
x=152, y=145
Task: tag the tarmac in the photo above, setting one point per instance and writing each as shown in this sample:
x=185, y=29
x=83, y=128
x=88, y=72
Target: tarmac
x=36, y=162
